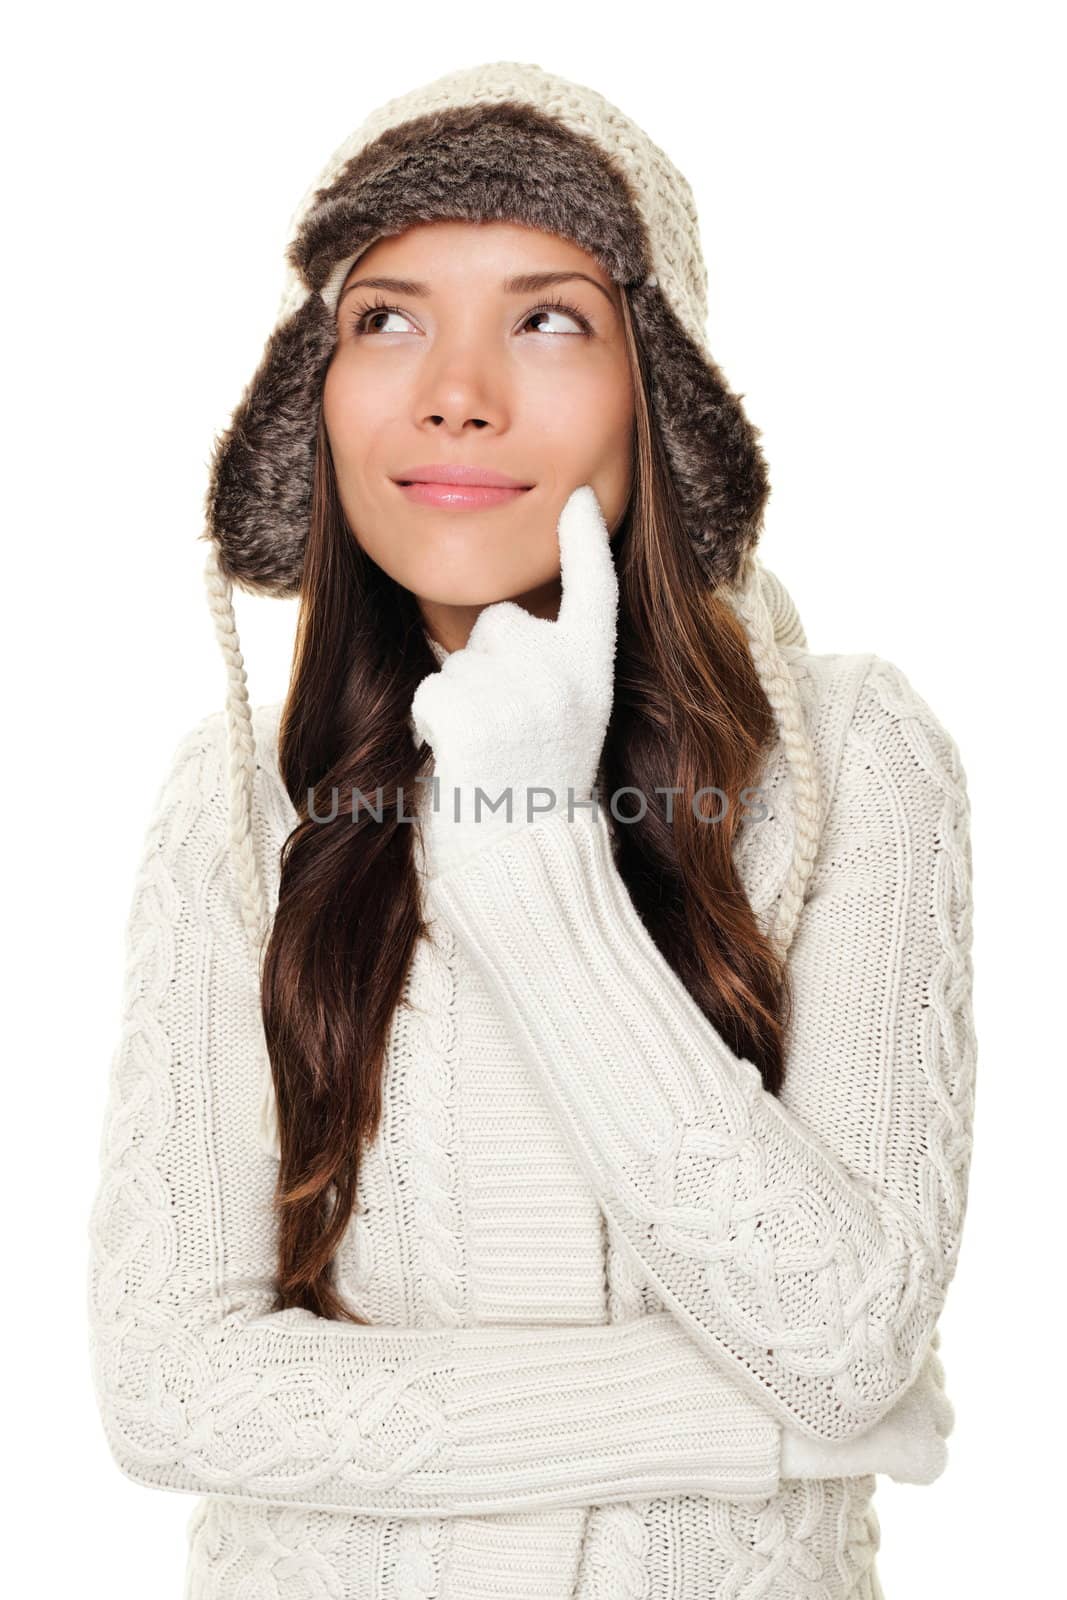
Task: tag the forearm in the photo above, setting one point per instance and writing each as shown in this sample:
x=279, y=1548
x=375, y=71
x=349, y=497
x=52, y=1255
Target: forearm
x=203, y=1388
x=294, y=1409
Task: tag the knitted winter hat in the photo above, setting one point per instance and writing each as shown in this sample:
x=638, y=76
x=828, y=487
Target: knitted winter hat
x=501, y=141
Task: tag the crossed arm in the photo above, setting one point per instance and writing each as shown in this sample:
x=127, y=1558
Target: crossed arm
x=203, y=1389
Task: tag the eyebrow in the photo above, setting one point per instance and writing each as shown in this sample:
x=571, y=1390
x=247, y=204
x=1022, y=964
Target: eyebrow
x=524, y=283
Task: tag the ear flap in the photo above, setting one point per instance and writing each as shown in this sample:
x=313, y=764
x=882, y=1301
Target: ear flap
x=713, y=449
x=259, y=495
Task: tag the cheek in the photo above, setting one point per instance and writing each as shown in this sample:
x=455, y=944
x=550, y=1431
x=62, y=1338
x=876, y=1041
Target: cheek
x=587, y=418
x=356, y=405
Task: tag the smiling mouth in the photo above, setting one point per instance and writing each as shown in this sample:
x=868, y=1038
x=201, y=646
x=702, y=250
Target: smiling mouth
x=458, y=496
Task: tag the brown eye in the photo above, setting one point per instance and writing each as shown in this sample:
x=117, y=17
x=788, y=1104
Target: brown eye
x=561, y=307
x=364, y=316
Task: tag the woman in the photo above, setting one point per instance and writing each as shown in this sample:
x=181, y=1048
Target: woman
x=556, y=1201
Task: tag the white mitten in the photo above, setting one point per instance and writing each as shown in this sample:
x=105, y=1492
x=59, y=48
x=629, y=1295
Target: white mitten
x=522, y=710
x=908, y=1444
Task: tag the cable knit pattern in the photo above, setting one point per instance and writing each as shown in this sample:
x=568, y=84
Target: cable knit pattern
x=315, y=1439
x=807, y=1242
x=565, y=1390
x=429, y=1090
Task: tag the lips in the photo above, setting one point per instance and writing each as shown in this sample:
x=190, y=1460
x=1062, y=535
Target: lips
x=461, y=476
x=459, y=496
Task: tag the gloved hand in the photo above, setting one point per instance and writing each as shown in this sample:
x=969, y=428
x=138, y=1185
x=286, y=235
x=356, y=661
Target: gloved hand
x=526, y=703
x=908, y=1444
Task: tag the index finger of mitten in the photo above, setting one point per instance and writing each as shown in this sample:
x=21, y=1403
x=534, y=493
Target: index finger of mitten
x=590, y=600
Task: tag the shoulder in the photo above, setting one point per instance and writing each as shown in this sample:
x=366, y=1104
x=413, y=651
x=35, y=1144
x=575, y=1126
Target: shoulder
x=197, y=780
x=887, y=765
x=887, y=771
x=202, y=753
x=197, y=766
x=893, y=733
x=189, y=843
x=864, y=701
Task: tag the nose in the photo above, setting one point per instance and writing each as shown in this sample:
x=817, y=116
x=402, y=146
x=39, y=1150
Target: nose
x=460, y=385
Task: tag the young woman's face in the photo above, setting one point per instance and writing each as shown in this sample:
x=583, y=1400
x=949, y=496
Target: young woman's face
x=473, y=369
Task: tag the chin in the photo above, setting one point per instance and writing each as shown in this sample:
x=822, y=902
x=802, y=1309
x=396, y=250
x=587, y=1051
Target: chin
x=466, y=595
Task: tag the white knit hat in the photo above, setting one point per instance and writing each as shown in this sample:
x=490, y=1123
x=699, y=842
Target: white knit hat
x=465, y=146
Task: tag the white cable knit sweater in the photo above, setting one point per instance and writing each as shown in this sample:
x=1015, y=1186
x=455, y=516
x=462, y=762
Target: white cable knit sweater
x=604, y=1267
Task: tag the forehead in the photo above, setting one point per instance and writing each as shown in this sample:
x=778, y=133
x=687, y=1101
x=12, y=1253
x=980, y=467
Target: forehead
x=439, y=255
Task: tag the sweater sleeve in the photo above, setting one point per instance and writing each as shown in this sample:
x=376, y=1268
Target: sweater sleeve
x=202, y=1388
x=805, y=1241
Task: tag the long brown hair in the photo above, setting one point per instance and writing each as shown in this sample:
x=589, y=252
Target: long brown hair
x=688, y=712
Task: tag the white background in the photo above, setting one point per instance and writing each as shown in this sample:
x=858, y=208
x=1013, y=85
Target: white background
x=880, y=196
